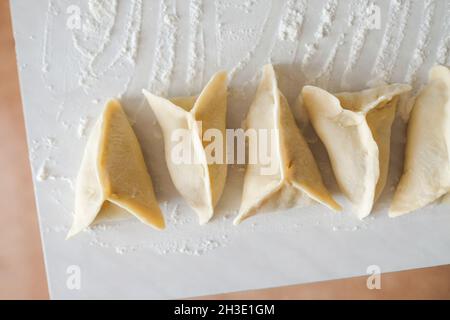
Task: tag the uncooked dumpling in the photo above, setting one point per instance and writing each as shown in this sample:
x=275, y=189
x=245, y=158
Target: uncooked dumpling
x=356, y=129
x=294, y=178
x=426, y=173
x=200, y=181
x=113, y=178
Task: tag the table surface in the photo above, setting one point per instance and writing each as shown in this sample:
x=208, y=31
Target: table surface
x=309, y=290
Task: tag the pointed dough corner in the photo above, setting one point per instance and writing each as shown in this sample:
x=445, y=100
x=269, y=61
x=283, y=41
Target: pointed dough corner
x=294, y=178
x=113, y=170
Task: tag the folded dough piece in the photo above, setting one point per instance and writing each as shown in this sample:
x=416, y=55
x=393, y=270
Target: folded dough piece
x=113, y=177
x=296, y=178
x=426, y=173
x=356, y=129
x=200, y=182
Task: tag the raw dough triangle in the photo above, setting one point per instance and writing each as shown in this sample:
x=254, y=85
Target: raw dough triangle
x=426, y=173
x=296, y=178
x=356, y=130
x=200, y=182
x=113, y=177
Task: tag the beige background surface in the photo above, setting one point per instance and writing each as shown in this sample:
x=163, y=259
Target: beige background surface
x=22, y=272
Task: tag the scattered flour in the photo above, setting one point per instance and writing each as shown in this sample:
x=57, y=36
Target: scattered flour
x=392, y=39
x=44, y=145
x=326, y=20
x=443, y=51
x=218, y=30
x=164, y=59
x=359, y=19
x=95, y=36
x=56, y=229
x=44, y=174
x=196, y=64
x=172, y=241
x=248, y=5
x=421, y=51
x=82, y=126
x=323, y=78
x=183, y=235
x=269, y=29
x=292, y=21
x=134, y=24
x=96, y=27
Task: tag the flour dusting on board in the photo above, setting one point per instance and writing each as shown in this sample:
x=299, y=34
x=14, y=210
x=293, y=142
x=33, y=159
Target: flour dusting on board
x=326, y=21
x=292, y=21
x=44, y=174
x=421, y=51
x=82, y=126
x=322, y=79
x=359, y=19
x=184, y=236
x=99, y=26
x=95, y=30
x=94, y=35
x=51, y=12
x=164, y=59
x=392, y=40
x=97, y=47
x=195, y=70
x=444, y=45
x=107, y=46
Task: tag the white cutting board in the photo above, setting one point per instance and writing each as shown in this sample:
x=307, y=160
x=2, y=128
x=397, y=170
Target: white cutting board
x=173, y=47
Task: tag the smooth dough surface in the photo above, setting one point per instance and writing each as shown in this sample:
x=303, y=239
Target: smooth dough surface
x=426, y=172
x=113, y=180
x=355, y=128
x=200, y=182
x=296, y=179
